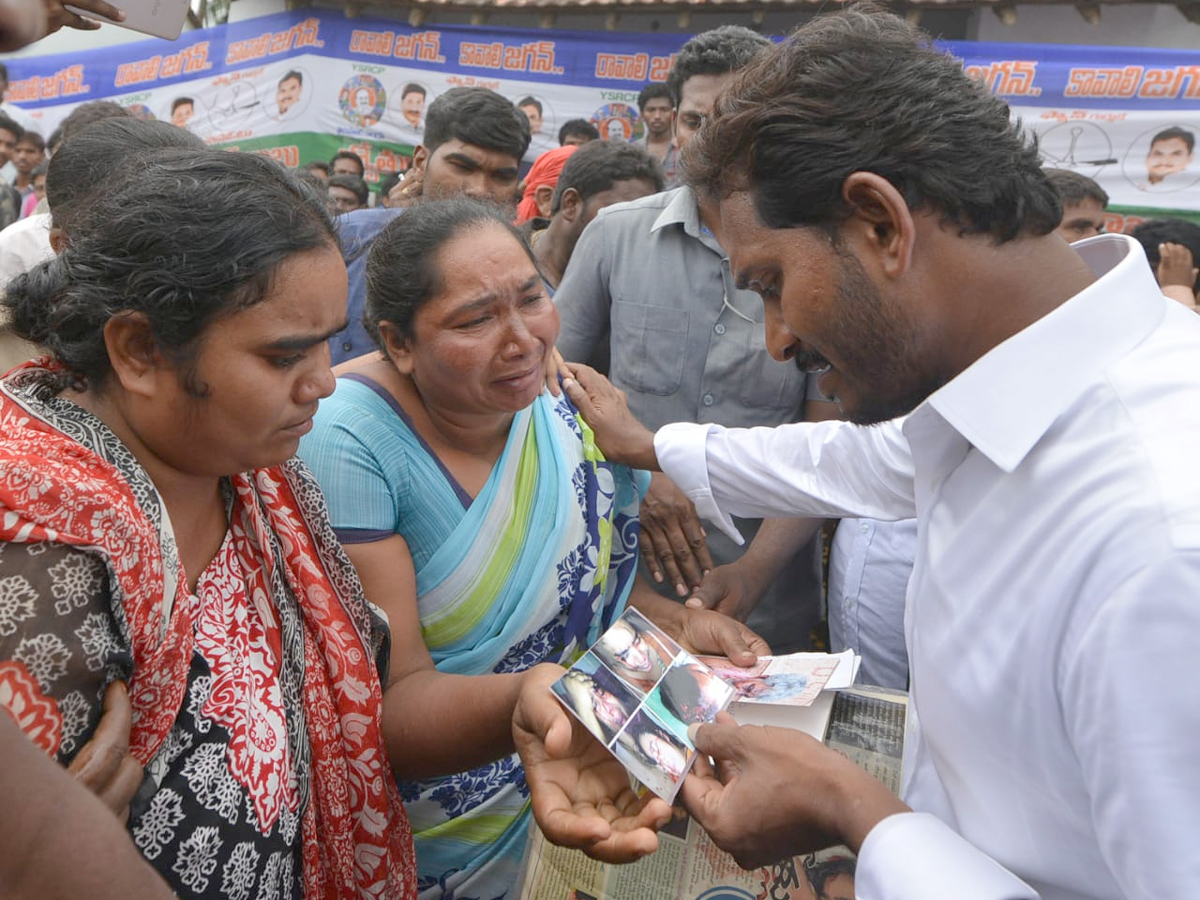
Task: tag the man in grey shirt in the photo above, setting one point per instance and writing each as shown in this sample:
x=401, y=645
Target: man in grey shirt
x=649, y=284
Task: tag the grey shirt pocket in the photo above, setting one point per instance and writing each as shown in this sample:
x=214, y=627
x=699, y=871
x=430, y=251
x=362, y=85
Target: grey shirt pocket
x=649, y=346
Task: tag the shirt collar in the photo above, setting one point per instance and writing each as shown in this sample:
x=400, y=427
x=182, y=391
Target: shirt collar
x=683, y=210
x=1005, y=401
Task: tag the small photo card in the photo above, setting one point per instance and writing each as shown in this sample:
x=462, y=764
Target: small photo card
x=637, y=691
x=794, y=680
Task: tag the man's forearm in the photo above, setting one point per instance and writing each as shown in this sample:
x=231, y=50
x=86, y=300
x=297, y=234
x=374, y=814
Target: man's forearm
x=777, y=541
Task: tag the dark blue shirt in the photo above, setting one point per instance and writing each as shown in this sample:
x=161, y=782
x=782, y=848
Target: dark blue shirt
x=357, y=231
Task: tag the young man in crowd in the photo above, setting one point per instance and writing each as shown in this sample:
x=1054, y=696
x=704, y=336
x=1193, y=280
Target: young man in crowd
x=473, y=142
x=1173, y=250
x=10, y=132
x=347, y=193
x=577, y=131
x=319, y=168
x=1048, y=454
x=597, y=175
x=657, y=109
x=346, y=162
x=29, y=152
x=648, y=281
x=10, y=198
x=1083, y=204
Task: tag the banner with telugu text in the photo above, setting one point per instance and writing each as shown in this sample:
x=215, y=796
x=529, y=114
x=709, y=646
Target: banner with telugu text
x=301, y=85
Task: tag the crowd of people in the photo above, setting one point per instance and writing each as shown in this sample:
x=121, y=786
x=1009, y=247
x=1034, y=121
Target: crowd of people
x=305, y=503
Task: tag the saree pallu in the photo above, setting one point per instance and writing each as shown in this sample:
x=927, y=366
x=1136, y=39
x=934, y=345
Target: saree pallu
x=296, y=691
x=541, y=563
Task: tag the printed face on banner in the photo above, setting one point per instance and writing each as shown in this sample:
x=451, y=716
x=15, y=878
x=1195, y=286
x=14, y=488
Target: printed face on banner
x=288, y=93
x=412, y=106
x=1167, y=156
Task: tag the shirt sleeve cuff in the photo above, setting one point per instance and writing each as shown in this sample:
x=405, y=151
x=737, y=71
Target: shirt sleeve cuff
x=681, y=449
x=916, y=856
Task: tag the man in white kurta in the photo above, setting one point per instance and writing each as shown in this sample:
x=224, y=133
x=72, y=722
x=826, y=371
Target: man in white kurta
x=1054, y=610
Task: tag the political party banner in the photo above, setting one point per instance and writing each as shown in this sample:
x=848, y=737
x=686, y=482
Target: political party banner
x=1127, y=117
x=304, y=84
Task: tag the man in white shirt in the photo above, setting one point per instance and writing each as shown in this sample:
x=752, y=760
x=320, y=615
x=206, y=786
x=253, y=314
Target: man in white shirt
x=1049, y=459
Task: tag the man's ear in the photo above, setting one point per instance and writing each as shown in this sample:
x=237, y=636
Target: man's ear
x=570, y=204
x=58, y=240
x=396, y=347
x=420, y=157
x=542, y=197
x=880, y=221
x=133, y=354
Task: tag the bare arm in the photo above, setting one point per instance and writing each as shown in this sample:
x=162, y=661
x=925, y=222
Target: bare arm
x=735, y=588
x=46, y=813
x=434, y=723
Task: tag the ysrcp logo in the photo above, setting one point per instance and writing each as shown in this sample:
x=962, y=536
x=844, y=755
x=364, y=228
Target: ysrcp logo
x=363, y=100
x=618, y=122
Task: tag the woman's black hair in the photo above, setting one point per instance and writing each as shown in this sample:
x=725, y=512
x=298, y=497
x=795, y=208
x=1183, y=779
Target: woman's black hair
x=181, y=237
x=402, y=273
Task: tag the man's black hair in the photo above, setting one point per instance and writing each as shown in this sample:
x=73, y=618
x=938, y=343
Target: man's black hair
x=7, y=124
x=580, y=127
x=1153, y=232
x=597, y=165
x=716, y=52
x=476, y=116
x=654, y=92
x=1074, y=188
x=348, y=154
x=861, y=90
x=353, y=183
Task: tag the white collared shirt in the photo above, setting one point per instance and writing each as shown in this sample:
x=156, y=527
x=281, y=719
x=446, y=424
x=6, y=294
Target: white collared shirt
x=1054, y=609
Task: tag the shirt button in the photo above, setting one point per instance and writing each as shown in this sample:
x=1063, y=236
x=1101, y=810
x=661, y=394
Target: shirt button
x=862, y=526
x=719, y=328
x=849, y=603
x=708, y=399
x=347, y=346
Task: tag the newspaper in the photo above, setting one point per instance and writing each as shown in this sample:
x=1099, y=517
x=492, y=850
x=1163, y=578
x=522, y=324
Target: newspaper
x=865, y=724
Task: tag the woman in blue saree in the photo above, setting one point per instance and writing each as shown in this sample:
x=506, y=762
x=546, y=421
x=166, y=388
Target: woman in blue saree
x=482, y=519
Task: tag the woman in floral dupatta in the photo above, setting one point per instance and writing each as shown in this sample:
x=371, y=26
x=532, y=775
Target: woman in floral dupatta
x=155, y=529
x=482, y=518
